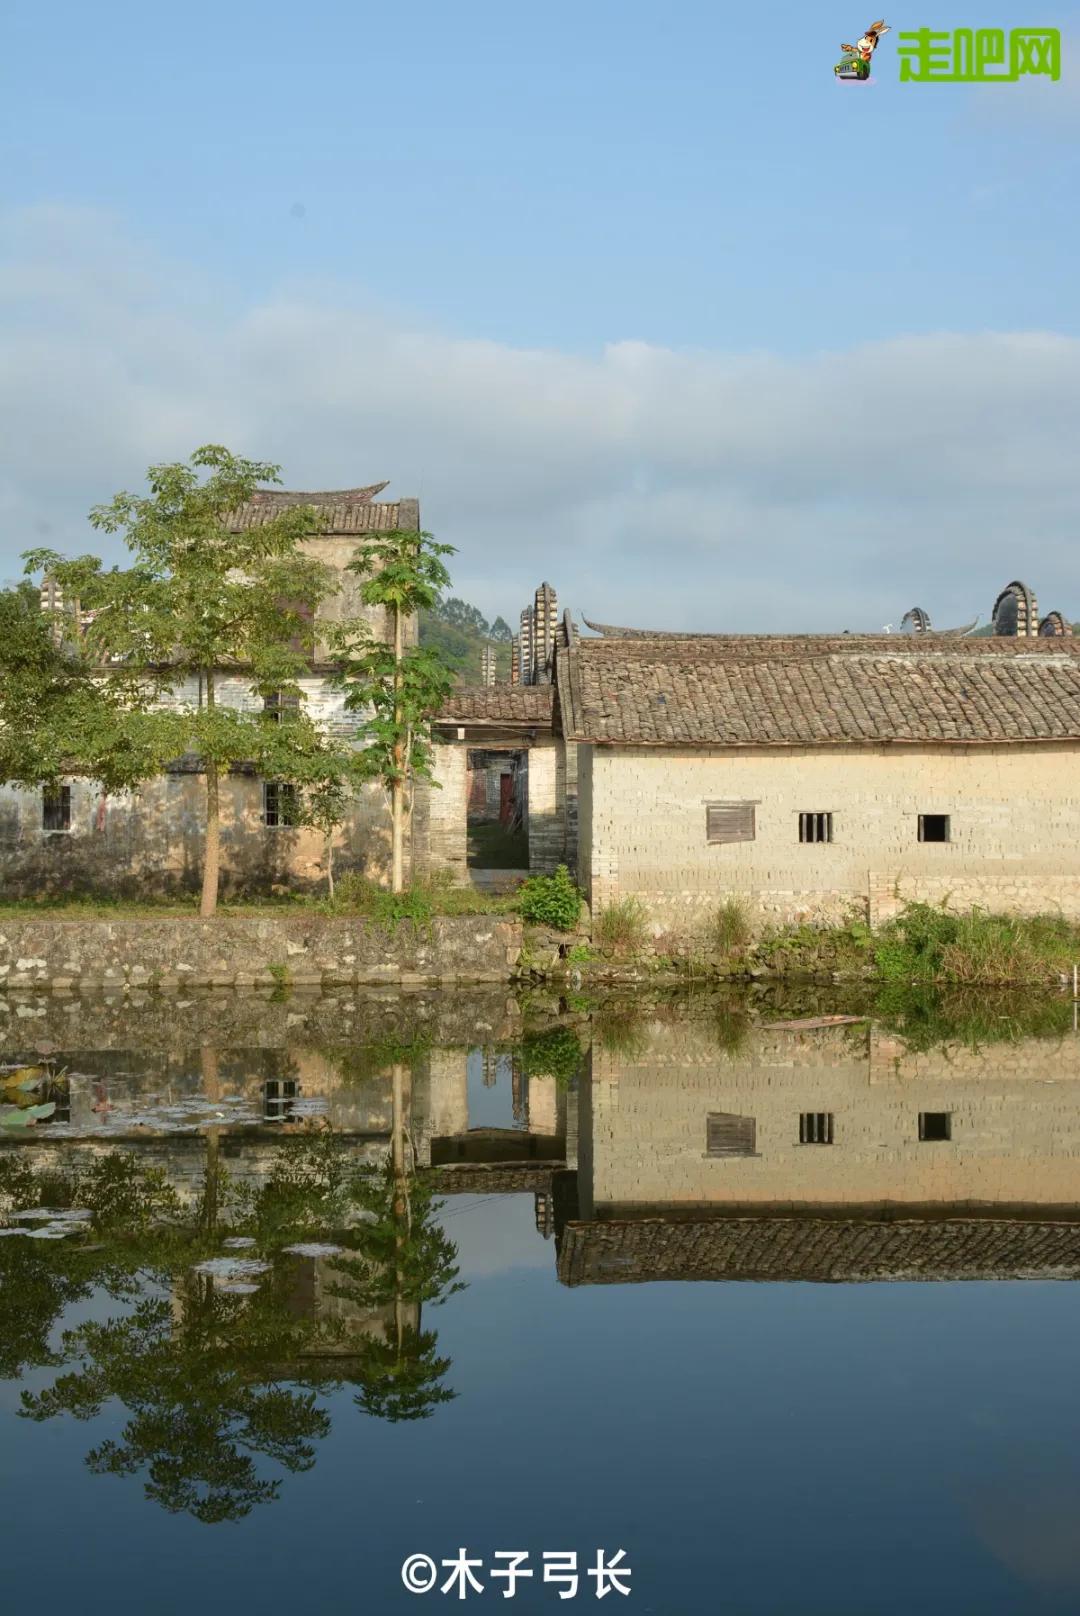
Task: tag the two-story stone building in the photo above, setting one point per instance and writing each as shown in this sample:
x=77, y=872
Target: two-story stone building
x=151, y=840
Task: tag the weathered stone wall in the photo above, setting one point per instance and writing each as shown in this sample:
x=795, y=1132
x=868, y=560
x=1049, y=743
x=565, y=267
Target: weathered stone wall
x=1015, y=1121
x=345, y=602
x=151, y=842
x=140, y=1026
x=1014, y=818
x=243, y=951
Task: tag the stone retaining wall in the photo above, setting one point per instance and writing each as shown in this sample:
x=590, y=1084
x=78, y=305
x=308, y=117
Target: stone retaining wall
x=178, y=952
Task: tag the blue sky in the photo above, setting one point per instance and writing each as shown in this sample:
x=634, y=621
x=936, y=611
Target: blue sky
x=619, y=283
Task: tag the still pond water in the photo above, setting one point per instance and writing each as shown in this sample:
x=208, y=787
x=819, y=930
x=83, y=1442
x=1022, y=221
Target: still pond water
x=293, y=1290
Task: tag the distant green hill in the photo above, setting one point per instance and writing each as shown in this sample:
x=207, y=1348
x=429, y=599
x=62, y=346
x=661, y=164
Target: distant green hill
x=461, y=632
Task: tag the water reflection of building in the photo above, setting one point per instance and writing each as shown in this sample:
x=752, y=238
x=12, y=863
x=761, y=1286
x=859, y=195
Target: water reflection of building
x=155, y=1102
x=831, y=1153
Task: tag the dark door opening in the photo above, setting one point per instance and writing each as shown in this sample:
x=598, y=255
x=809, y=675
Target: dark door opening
x=498, y=837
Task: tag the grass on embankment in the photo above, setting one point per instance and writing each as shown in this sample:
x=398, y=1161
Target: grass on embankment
x=936, y=946
x=353, y=897
x=923, y=945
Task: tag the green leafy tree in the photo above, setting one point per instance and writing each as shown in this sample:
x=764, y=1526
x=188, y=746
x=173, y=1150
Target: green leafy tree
x=197, y=600
x=329, y=789
x=58, y=716
x=459, y=614
x=398, y=689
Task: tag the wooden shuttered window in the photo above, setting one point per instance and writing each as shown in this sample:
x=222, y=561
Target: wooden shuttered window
x=729, y=1135
x=730, y=821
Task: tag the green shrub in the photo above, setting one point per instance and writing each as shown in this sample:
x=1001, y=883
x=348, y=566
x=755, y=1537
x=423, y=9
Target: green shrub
x=622, y=927
x=550, y=900
x=555, y=1052
x=928, y=944
x=926, y=1018
x=730, y=929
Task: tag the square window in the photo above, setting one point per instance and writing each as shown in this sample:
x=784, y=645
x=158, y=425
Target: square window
x=729, y=1135
x=816, y=1128
x=279, y=1094
x=934, y=1126
x=934, y=828
x=279, y=707
x=281, y=807
x=730, y=822
x=815, y=827
x=56, y=809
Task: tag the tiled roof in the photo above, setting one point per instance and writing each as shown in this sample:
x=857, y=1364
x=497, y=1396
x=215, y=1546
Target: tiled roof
x=623, y=1251
x=341, y=510
x=761, y=690
x=499, y=704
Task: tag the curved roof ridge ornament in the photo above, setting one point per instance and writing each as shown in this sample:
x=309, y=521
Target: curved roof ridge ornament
x=615, y=631
x=917, y=619
x=963, y=632
x=1055, y=625
x=1016, y=611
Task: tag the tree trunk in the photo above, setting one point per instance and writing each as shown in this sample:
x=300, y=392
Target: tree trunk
x=330, y=865
x=397, y=790
x=211, y=1199
x=401, y=1199
x=212, y=856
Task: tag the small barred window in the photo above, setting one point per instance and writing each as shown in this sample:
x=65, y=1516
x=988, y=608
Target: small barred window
x=816, y=1128
x=815, y=827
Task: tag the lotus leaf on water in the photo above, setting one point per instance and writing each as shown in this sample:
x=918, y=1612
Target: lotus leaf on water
x=23, y=1077
x=231, y=1269
x=14, y=1116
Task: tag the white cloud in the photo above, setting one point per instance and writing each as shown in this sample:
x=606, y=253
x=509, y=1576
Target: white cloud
x=682, y=489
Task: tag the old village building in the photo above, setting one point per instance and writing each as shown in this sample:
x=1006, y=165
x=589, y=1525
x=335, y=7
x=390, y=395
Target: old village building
x=811, y=777
x=74, y=839
x=815, y=777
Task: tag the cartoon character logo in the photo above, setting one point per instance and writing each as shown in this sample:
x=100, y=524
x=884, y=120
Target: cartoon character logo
x=855, y=62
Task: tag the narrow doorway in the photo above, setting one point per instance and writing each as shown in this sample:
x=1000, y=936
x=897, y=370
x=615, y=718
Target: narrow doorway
x=497, y=829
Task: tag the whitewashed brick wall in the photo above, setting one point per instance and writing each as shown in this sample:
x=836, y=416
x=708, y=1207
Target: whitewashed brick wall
x=1014, y=813
x=1015, y=1121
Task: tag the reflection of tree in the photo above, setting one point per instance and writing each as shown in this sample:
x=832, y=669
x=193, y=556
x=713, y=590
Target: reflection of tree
x=38, y=1280
x=200, y=1370
x=401, y=1259
x=197, y=1374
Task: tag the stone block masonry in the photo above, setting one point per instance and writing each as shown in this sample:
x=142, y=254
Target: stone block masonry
x=175, y=953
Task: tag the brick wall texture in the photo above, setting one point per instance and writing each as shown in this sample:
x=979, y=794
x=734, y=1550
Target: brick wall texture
x=1014, y=1110
x=1014, y=814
